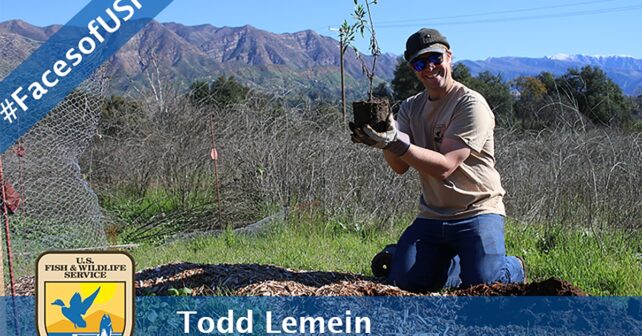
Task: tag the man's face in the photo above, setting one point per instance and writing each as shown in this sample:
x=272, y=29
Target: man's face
x=433, y=69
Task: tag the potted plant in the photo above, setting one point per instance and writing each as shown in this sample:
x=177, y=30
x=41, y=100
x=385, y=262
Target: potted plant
x=373, y=111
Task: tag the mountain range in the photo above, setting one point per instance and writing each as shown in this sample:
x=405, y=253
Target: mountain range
x=623, y=70
x=292, y=62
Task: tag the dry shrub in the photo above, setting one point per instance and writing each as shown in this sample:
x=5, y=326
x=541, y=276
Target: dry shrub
x=574, y=176
x=275, y=155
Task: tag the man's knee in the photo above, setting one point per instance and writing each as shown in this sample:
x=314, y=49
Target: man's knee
x=489, y=270
x=403, y=281
x=411, y=283
x=423, y=281
x=481, y=270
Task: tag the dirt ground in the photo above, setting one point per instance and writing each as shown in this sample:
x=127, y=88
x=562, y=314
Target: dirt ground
x=268, y=280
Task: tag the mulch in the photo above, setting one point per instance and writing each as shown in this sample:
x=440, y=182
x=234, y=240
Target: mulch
x=269, y=280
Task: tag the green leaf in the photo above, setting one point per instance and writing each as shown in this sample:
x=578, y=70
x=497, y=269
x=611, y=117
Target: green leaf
x=359, y=11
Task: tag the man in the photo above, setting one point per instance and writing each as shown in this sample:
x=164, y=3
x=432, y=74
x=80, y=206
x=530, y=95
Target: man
x=446, y=134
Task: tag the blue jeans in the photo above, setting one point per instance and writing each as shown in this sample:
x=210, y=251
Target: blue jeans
x=432, y=254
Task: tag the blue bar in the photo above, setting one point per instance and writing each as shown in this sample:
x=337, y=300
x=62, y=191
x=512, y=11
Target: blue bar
x=386, y=315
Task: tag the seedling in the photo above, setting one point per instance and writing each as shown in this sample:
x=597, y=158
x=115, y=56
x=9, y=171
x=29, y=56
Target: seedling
x=373, y=111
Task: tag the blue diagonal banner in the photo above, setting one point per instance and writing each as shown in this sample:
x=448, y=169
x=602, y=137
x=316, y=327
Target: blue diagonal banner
x=67, y=59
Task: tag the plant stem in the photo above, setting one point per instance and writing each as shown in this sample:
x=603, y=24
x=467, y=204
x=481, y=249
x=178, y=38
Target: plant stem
x=343, y=85
x=374, y=49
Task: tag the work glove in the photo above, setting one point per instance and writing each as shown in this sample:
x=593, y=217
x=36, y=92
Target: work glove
x=383, y=139
x=358, y=136
x=391, y=139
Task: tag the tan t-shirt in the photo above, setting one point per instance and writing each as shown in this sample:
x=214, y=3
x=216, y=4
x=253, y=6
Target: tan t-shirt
x=474, y=188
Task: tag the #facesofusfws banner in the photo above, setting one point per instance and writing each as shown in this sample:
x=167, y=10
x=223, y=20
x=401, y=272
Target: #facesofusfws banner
x=67, y=59
x=85, y=294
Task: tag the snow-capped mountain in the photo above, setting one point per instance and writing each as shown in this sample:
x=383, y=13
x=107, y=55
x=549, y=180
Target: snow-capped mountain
x=625, y=71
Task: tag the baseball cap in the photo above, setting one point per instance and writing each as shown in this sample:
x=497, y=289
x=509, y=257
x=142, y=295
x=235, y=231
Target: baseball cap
x=424, y=41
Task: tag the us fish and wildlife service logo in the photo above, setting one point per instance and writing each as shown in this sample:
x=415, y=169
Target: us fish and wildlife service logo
x=85, y=293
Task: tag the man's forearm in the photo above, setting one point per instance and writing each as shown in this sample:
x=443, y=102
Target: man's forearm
x=434, y=163
x=395, y=162
x=426, y=161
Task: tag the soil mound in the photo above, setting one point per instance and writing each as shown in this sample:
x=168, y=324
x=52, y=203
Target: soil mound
x=550, y=287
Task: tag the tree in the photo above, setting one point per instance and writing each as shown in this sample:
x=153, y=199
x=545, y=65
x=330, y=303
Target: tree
x=383, y=91
x=637, y=106
x=405, y=83
x=227, y=91
x=224, y=91
x=121, y=118
x=531, y=106
x=597, y=96
x=461, y=73
x=199, y=93
x=549, y=81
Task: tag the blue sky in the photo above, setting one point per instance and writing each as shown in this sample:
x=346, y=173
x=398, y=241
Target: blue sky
x=476, y=29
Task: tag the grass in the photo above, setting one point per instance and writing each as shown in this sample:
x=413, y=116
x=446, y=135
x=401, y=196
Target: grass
x=129, y=207
x=308, y=245
x=601, y=263
x=607, y=263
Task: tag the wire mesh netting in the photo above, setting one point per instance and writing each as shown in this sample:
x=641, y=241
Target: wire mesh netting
x=57, y=209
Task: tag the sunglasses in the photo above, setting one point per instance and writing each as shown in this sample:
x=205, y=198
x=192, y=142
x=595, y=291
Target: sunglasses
x=434, y=58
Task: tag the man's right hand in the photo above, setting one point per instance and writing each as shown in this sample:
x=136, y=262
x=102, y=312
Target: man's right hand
x=358, y=136
x=392, y=139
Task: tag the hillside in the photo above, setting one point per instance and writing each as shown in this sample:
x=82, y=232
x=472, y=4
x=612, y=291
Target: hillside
x=298, y=61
